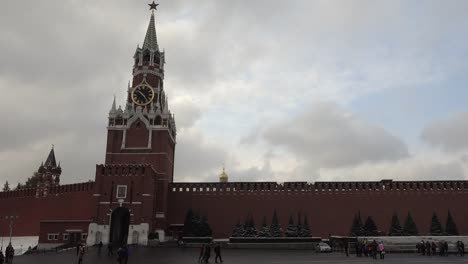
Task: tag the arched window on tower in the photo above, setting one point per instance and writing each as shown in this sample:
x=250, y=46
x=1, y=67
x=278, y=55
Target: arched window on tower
x=156, y=59
x=158, y=120
x=146, y=56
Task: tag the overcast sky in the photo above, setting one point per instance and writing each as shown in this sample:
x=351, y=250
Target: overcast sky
x=276, y=90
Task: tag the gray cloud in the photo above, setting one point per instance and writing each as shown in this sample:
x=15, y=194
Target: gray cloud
x=196, y=158
x=329, y=137
x=449, y=134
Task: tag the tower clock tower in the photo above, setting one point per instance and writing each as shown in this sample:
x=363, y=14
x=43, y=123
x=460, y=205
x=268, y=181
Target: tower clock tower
x=131, y=187
x=144, y=131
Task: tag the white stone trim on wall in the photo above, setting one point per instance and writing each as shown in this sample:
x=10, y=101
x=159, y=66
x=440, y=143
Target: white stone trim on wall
x=141, y=230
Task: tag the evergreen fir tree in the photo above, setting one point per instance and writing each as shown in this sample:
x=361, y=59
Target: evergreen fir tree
x=6, y=187
x=450, y=227
x=395, y=229
x=436, y=226
x=299, y=224
x=291, y=231
x=305, y=231
x=265, y=230
x=410, y=228
x=187, y=231
x=204, y=229
x=238, y=230
x=275, y=228
x=370, y=229
x=197, y=225
x=357, y=228
x=249, y=226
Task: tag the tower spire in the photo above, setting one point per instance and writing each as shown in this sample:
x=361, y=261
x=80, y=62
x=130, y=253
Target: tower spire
x=51, y=159
x=151, y=41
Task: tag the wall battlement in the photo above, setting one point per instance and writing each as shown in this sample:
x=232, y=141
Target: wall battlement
x=378, y=186
x=54, y=190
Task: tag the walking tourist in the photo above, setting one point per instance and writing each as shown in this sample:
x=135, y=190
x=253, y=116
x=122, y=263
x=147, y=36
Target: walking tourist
x=441, y=248
x=81, y=254
x=462, y=247
x=434, y=248
x=428, y=248
x=126, y=253
x=110, y=251
x=207, y=253
x=374, y=249
x=120, y=255
x=346, y=249
x=100, y=247
x=382, y=250
x=9, y=253
x=202, y=253
x=446, y=248
x=2, y=258
x=217, y=250
x=422, y=246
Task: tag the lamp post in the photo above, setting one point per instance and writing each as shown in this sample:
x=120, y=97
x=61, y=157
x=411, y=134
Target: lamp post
x=11, y=217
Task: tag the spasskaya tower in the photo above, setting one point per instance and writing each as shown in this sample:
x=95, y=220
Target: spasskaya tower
x=144, y=130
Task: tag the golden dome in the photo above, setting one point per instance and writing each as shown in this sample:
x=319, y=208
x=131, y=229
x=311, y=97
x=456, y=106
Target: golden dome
x=223, y=177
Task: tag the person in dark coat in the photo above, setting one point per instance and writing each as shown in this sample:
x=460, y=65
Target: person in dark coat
x=446, y=248
x=78, y=246
x=9, y=253
x=2, y=258
x=217, y=250
x=126, y=253
x=428, y=248
x=423, y=247
x=434, y=248
x=120, y=255
x=207, y=253
x=462, y=247
x=202, y=253
x=81, y=255
x=100, y=247
x=110, y=251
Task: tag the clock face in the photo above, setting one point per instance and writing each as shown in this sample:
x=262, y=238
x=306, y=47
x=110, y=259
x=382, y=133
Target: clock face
x=142, y=94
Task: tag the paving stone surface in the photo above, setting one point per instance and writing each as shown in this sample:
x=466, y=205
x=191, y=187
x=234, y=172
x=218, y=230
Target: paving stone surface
x=237, y=256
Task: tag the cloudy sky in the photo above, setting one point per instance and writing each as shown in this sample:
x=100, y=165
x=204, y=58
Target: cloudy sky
x=275, y=90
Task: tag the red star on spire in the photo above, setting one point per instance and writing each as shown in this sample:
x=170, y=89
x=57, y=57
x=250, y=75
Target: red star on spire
x=153, y=6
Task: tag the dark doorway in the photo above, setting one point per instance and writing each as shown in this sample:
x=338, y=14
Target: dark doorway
x=120, y=222
x=74, y=238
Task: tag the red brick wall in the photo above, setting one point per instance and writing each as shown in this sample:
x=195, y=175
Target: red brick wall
x=66, y=202
x=329, y=208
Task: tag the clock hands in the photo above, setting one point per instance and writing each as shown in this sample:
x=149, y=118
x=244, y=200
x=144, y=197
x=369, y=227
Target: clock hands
x=142, y=94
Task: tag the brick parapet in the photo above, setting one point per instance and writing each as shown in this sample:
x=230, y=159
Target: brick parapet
x=378, y=186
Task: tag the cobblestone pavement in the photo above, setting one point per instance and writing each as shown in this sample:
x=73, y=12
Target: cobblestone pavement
x=238, y=256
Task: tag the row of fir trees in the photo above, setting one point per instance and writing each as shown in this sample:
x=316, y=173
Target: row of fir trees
x=196, y=226
x=248, y=228
x=409, y=228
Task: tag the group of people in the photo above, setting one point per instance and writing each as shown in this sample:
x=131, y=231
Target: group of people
x=430, y=248
x=205, y=253
x=370, y=249
x=9, y=254
x=123, y=252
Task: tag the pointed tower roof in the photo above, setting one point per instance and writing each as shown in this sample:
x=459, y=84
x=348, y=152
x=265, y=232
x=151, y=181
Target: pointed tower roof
x=50, y=161
x=113, y=108
x=151, y=41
